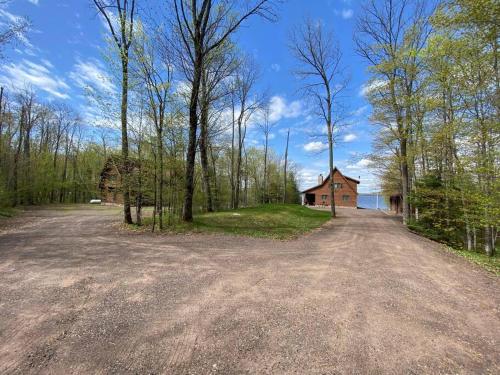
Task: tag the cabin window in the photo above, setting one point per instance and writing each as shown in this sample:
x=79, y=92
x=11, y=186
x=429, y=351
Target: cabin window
x=338, y=185
x=324, y=197
x=346, y=198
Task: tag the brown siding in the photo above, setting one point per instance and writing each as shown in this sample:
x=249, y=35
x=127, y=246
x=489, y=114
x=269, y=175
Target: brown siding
x=349, y=188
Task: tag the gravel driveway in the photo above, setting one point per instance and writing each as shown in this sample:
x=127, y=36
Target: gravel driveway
x=359, y=296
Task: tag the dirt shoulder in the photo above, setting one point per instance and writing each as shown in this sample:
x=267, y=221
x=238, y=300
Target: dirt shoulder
x=360, y=295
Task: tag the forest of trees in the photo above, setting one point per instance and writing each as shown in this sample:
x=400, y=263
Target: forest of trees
x=188, y=95
x=435, y=94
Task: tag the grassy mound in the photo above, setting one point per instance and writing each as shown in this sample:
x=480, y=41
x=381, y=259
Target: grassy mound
x=280, y=221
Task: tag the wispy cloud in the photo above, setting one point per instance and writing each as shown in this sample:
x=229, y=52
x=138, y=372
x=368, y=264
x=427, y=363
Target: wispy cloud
x=276, y=67
x=360, y=165
x=350, y=137
x=369, y=87
x=315, y=146
x=280, y=108
x=347, y=13
x=91, y=74
x=360, y=111
x=34, y=2
x=308, y=178
x=38, y=75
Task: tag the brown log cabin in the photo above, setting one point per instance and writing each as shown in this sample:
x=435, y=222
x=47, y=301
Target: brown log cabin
x=110, y=181
x=346, y=191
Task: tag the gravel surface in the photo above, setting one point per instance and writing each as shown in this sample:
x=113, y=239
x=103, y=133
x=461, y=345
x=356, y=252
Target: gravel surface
x=361, y=295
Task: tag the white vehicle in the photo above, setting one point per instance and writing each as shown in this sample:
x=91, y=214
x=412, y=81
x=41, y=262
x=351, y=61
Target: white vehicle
x=95, y=201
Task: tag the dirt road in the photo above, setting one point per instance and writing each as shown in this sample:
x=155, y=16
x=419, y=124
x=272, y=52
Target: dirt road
x=361, y=295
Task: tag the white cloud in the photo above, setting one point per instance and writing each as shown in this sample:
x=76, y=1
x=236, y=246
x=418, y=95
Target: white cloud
x=281, y=109
x=362, y=164
x=39, y=76
x=7, y=16
x=34, y=2
x=91, y=74
x=276, y=67
x=347, y=13
x=350, y=137
x=371, y=86
x=47, y=63
x=315, y=146
x=360, y=111
x=308, y=178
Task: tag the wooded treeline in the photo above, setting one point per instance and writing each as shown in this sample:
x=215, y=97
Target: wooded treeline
x=180, y=151
x=435, y=93
x=45, y=153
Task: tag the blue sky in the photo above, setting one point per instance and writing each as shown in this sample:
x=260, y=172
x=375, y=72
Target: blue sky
x=63, y=54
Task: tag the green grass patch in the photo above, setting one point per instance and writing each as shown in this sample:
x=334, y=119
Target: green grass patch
x=269, y=221
x=6, y=212
x=492, y=263
x=277, y=221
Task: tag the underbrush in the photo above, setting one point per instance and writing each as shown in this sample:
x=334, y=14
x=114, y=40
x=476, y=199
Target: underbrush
x=454, y=245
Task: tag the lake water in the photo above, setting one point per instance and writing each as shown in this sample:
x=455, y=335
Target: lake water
x=370, y=201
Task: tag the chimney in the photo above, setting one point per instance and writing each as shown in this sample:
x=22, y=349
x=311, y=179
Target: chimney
x=320, y=179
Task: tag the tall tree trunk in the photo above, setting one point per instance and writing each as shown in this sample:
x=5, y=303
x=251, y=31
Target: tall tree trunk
x=64, y=173
x=187, y=214
x=204, y=151
x=215, y=177
x=17, y=157
x=246, y=179
x=285, y=167
x=126, y=162
x=54, y=166
x=160, y=176
x=330, y=154
x=239, y=162
x=155, y=198
x=1, y=119
x=403, y=157
x=138, y=198
x=265, y=195
x=404, y=180
x=233, y=187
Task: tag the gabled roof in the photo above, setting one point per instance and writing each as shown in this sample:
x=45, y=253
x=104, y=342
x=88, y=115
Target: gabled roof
x=328, y=177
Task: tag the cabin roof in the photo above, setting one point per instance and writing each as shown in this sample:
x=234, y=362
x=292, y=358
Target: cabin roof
x=327, y=178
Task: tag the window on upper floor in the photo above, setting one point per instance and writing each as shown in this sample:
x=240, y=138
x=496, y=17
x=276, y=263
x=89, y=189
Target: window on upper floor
x=346, y=198
x=338, y=185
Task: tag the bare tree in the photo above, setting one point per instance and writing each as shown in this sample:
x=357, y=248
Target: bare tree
x=122, y=31
x=319, y=57
x=155, y=71
x=244, y=105
x=62, y=118
x=266, y=126
x=285, y=167
x=203, y=26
